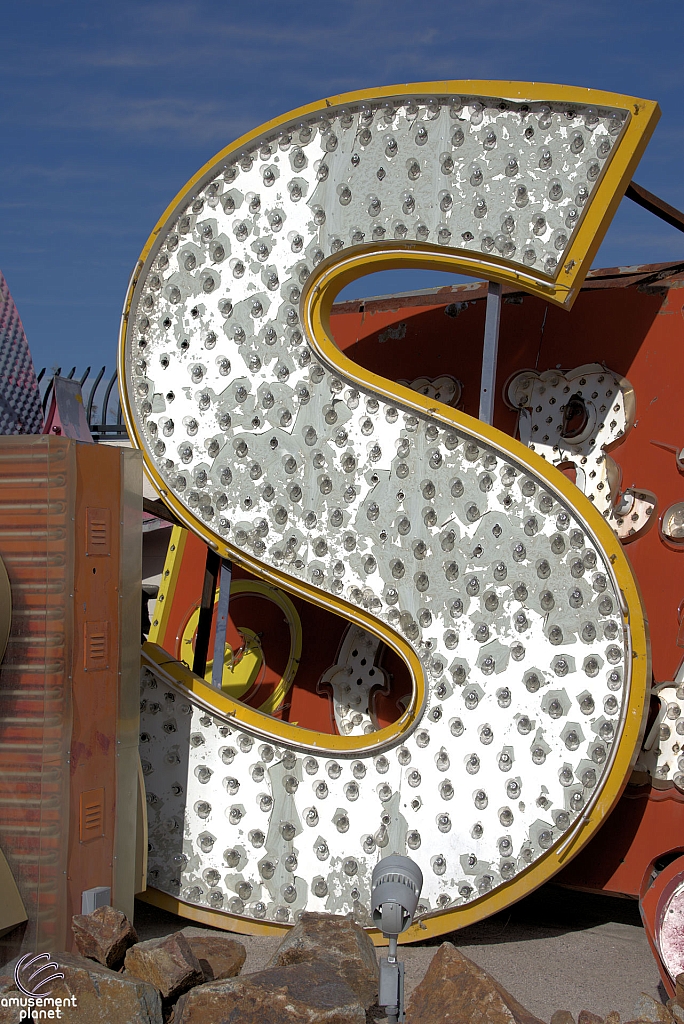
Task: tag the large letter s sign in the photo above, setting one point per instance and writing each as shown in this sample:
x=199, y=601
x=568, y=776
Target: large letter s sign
x=498, y=582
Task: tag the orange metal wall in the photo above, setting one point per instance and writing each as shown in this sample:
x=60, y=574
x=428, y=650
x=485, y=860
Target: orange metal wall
x=65, y=682
x=96, y=672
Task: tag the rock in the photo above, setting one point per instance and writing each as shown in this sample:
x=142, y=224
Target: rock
x=562, y=1017
x=648, y=1009
x=676, y=1009
x=679, y=989
x=303, y=993
x=169, y=964
x=95, y=993
x=614, y=1017
x=455, y=990
x=338, y=941
x=586, y=1017
x=219, y=957
x=104, y=935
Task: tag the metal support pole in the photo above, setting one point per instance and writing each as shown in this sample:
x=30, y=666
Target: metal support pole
x=221, y=624
x=490, y=352
x=199, y=665
x=391, y=985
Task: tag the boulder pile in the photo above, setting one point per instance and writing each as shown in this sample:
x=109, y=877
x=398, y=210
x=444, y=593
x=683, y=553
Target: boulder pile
x=325, y=971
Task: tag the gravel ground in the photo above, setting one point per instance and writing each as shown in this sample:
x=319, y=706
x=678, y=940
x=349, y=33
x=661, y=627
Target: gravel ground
x=556, y=949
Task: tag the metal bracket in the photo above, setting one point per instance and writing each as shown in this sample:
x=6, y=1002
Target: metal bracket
x=221, y=624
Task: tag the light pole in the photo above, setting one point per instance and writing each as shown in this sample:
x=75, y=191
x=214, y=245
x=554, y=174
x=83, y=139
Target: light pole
x=395, y=891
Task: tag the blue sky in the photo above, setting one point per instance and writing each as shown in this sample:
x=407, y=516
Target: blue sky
x=107, y=108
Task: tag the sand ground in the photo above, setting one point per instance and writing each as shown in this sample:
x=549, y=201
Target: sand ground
x=557, y=949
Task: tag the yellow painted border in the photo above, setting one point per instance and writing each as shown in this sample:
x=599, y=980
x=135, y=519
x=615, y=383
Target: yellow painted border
x=544, y=868
x=316, y=304
x=203, y=915
x=332, y=274
x=167, y=587
x=641, y=122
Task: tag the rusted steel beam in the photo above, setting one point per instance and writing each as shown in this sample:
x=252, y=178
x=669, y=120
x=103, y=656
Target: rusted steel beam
x=655, y=205
x=155, y=507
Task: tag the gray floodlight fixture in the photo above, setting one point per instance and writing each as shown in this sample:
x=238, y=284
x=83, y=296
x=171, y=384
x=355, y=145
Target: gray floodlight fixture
x=395, y=891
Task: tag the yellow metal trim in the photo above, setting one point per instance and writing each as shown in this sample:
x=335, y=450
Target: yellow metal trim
x=316, y=303
x=333, y=274
x=213, y=918
x=643, y=117
x=295, y=624
x=273, y=729
x=167, y=587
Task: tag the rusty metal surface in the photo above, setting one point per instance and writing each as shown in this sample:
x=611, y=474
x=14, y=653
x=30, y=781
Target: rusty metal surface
x=661, y=912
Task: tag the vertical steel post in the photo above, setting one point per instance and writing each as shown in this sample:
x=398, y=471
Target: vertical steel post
x=221, y=624
x=490, y=352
